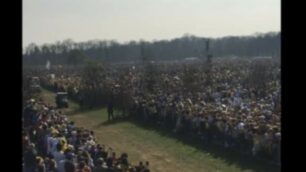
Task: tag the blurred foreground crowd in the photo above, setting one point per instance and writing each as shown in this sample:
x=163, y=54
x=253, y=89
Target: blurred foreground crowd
x=51, y=143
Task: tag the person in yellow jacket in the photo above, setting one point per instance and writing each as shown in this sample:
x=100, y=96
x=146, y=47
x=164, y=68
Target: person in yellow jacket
x=63, y=142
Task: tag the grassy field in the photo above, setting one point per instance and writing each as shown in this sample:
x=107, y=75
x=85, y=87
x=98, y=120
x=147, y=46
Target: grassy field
x=164, y=152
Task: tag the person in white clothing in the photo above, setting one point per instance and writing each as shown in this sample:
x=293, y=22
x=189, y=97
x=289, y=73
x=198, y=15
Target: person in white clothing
x=54, y=142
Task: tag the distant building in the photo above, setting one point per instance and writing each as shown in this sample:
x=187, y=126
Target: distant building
x=263, y=57
x=191, y=58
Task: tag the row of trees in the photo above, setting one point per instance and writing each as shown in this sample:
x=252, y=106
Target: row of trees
x=69, y=52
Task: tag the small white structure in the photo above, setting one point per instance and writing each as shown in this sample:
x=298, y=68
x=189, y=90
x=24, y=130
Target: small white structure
x=191, y=58
x=263, y=57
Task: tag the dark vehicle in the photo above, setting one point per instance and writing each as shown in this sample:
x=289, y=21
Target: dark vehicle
x=62, y=100
x=34, y=85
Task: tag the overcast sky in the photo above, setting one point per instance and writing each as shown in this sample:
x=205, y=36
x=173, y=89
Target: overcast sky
x=47, y=21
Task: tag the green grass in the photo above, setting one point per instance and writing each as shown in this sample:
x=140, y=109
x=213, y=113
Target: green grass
x=164, y=152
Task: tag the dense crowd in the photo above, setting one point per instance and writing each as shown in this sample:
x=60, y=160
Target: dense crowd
x=51, y=143
x=235, y=105
x=226, y=112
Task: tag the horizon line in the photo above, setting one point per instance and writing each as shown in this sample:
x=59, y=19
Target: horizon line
x=153, y=40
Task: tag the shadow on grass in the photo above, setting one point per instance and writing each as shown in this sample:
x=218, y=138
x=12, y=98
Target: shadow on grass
x=81, y=110
x=114, y=121
x=230, y=157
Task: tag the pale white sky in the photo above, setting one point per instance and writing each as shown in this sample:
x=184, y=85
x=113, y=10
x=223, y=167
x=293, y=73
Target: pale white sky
x=47, y=21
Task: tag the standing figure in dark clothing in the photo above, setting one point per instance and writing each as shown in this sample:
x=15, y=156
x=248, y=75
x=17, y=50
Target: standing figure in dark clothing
x=110, y=109
x=30, y=158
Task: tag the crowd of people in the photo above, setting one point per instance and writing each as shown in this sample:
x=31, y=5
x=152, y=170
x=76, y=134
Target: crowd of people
x=227, y=112
x=235, y=104
x=51, y=143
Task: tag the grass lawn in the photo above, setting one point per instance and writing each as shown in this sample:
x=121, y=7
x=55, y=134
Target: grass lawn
x=165, y=153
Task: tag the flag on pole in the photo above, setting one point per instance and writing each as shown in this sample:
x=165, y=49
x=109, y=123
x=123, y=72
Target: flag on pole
x=48, y=65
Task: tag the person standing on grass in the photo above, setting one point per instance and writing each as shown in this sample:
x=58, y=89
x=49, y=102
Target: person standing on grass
x=110, y=109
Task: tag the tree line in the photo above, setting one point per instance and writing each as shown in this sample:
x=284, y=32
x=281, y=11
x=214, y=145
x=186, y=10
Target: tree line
x=70, y=52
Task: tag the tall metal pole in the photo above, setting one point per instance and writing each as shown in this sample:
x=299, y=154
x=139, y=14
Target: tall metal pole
x=208, y=62
x=142, y=53
x=143, y=61
x=209, y=56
